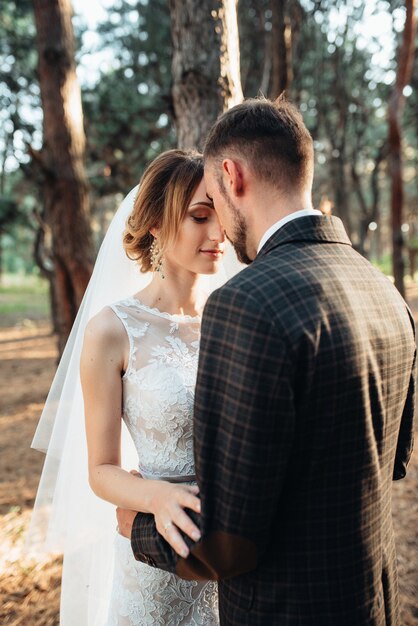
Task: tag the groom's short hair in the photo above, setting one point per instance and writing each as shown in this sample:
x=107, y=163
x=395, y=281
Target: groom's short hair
x=270, y=136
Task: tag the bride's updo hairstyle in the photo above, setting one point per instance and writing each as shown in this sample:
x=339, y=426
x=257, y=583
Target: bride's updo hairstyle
x=165, y=191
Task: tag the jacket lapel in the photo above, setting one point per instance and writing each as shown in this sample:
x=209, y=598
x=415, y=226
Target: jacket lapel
x=312, y=228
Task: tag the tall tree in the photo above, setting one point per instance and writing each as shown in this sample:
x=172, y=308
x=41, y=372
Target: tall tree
x=396, y=105
x=269, y=36
x=281, y=49
x=205, y=69
x=65, y=187
x=254, y=25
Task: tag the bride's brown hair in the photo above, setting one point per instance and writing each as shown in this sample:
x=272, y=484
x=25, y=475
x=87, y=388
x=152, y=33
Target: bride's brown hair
x=165, y=191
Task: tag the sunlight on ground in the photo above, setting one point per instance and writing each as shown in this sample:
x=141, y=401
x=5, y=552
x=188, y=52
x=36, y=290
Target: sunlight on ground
x=29, y=341
x=12, y=546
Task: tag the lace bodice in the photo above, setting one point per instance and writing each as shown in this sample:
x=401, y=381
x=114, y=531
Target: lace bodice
x=158, y=387
x=158, y=393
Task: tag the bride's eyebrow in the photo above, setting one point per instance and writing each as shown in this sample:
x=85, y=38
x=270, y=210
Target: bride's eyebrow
x=202, y=202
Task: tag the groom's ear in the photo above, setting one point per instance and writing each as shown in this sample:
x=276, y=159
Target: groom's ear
x=234, y=176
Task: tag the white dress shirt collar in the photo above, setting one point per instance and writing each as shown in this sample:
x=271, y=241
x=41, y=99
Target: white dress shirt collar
x=275, y=227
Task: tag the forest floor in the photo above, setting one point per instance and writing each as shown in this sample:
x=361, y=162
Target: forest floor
x=29, y=590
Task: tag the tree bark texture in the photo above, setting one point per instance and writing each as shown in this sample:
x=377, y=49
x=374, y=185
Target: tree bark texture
x=396, y=106
x=368, y=213
x=281, y=75
x=65, y=186
x=205, y=69
x=336, y=130
x=339, y=182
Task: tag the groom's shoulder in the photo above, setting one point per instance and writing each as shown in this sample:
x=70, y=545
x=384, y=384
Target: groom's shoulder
x=257, y=277
x=247, y=289
x=245, y=280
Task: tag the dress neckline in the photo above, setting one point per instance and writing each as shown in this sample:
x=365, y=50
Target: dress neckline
x=169, y=316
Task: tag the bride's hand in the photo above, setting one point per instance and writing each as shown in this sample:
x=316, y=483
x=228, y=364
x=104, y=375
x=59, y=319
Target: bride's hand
x=167, y=504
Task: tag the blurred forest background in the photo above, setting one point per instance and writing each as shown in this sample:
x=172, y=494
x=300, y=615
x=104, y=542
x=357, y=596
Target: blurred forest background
x=153, y=75
x=90, y=92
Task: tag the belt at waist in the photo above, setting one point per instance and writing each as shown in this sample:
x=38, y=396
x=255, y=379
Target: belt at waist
x=191, y=478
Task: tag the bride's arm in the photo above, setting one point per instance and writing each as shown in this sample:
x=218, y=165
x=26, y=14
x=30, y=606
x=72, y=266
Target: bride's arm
x=103, y=361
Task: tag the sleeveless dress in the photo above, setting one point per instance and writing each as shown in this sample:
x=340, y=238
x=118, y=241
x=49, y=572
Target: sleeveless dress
x=158, y=393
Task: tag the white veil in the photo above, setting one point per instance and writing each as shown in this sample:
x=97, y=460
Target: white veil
x=68, y=518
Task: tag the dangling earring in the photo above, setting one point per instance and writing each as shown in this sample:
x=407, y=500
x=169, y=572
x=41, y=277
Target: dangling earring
x=156, y=258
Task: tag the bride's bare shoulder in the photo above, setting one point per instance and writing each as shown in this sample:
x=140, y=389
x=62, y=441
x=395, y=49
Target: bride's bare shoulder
x=105, y=328
x=105, y=347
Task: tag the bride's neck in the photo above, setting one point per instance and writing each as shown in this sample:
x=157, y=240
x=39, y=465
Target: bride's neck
x=175, y=294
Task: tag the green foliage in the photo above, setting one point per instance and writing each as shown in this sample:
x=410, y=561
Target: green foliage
x=7, y=211
x=384, y=264
x=340, y=87
x=19, y=94
x=20, y=126
x=23, y=297
x=128, y=112
x=17, y=224
x=15, y=284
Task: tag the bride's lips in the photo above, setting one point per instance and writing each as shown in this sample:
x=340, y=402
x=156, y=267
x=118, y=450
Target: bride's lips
x=213, y=254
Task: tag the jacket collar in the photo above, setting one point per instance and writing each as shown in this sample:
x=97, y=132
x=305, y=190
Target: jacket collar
x=312, y=228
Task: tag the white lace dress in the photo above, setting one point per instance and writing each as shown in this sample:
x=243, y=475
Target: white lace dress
x=158, y=391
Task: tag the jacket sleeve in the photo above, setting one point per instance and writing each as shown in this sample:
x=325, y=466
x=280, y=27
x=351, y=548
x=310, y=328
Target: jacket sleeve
x=150, y=547
x=244, y=431
x=406, y=431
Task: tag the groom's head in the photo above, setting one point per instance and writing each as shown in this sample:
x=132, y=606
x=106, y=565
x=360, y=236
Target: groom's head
x=257, y=151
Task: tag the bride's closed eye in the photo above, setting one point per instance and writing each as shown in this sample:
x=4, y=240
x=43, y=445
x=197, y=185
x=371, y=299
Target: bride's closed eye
x=199, y=220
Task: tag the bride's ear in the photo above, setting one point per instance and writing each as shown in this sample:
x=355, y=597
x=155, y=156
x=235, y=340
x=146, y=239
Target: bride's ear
x=154, y=231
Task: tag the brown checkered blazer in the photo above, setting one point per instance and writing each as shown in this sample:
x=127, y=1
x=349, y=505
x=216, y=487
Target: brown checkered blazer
x=303, y=416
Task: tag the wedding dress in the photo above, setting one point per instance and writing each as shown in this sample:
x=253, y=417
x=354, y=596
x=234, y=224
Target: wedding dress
x=158, y=391
x=158, y=396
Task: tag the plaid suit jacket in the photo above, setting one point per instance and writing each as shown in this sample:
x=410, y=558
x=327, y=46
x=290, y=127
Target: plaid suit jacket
x=303, y=416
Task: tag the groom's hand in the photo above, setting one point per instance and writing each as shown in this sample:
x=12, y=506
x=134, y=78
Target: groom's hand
x=125, y=519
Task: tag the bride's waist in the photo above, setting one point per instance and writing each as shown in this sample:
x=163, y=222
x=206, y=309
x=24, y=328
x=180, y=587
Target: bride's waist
x=174, y=478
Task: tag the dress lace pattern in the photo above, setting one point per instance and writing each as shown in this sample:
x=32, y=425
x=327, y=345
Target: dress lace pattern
x=158, y=392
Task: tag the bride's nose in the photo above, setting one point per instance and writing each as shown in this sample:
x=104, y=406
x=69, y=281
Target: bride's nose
x=217, y=232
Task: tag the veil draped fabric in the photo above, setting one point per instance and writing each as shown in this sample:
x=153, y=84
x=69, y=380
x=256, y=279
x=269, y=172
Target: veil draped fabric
x=68, y=518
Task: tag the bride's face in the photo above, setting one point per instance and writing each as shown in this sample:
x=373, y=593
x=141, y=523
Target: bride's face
x=200, y=240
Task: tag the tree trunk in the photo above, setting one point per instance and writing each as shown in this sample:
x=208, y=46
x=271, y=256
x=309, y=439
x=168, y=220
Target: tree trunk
x=297, y=15
x=336, y=130
x=264, y=36
x=339, y=178
x=281, y=49
x=364, y=220
x=42, y=253
x=206, y=75
x=375, y=192
x=396, y=105
x=368, y=214
x=65, y=186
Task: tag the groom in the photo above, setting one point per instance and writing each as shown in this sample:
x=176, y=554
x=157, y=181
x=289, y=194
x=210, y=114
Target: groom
x=304, y=399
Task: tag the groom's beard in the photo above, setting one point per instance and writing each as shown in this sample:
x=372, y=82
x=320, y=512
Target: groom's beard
x=239, y=236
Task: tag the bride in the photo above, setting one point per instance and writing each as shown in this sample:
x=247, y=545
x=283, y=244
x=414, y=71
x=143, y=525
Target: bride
x=138, y=367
